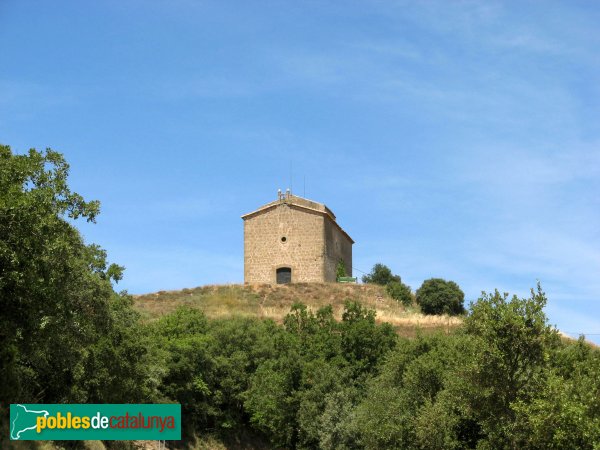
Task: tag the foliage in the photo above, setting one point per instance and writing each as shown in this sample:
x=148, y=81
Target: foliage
x=380, y=274
x=340, y=269
x=504, y=381
x=512, y=362
x=272, y=402
x=336, y=429
x=363, y=342
x=319, y=383
x=319, y=379
x=65, y=334
x=400, y=292
x=405, y=395
x=564, y=413
x=124, y=365
x=56, y=292
x=395, y=288
x=438, y=296
x=319, y=357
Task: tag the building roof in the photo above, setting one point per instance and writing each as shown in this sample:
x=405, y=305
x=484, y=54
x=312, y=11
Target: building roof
x=301, y=203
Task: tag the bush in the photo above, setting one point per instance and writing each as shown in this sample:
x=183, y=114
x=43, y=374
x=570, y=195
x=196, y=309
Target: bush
x=340, y=270
x=400, y=292
x=380, y=274
x=438, y=296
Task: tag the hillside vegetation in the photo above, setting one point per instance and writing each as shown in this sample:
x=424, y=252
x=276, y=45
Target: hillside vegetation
x=305, y=366
x=274, y=302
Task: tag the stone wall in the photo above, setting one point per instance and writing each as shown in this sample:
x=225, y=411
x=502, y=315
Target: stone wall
x=284, y=236
x=337, y=246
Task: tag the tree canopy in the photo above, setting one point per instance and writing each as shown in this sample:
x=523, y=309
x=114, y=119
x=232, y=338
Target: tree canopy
x=438, y=296
x=61, y=322
x=380, y=274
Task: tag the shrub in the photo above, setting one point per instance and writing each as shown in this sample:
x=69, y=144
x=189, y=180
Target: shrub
x=400, y=292
x=438, y=296
x=340, y=270
x=380, y=274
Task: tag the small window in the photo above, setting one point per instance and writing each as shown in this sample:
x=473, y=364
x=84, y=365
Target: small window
x=283, y=239
x=284, y=275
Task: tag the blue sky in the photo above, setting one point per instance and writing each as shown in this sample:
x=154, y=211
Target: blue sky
x=452, y=139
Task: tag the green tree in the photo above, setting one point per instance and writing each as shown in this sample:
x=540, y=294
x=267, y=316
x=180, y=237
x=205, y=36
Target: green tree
x=300, y=321
x=564, y=413
x=238, y=347
x=380, y=274
x=124, y=365
x=336, y=429
x=399, y=292
x=511, y=365
x=319, y=379
x=318, y=334
x=55, y=291
x=438, y=296
x=190, y=366
x=402, y=407
x=65, y=334
x=271, y=399
x=364, y=343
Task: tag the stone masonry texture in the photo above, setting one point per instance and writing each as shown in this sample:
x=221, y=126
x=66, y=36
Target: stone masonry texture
x=297, y=233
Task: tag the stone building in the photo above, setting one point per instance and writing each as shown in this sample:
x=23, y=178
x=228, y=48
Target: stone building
x=293, y=239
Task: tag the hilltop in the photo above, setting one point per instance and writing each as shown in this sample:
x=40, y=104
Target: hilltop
x=274, y=302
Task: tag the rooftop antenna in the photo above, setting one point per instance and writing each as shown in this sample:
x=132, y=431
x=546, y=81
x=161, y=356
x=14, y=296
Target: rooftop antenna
x=291, y=175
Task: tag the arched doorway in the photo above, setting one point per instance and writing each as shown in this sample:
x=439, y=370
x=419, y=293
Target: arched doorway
x=284, y=275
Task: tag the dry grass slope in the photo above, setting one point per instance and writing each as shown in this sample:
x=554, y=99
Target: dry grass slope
x=275, y=301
